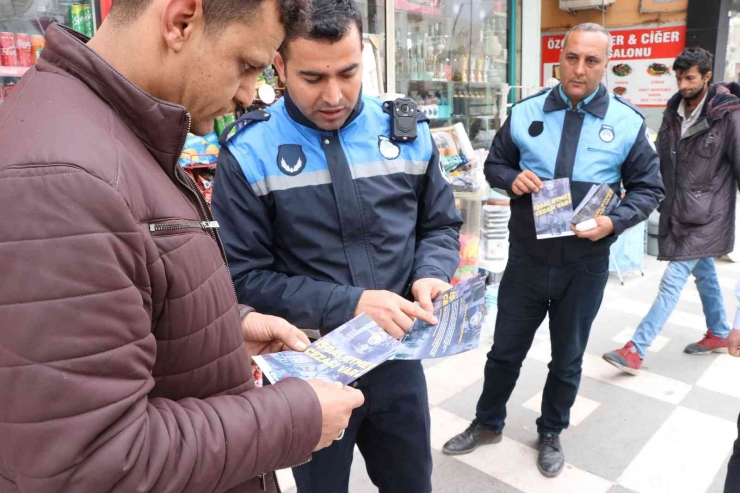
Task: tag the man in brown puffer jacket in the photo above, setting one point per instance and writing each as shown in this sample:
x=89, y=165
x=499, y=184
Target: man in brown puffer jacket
x=123, y=363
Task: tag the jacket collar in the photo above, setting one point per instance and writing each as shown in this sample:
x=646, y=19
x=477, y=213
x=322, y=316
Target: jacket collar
x=598, y=106
x=161, y=126
x=298, y=117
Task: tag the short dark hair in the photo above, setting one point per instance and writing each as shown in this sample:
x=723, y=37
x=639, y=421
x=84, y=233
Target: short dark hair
x=694, y=57
x=328, y=20
x=219, y=13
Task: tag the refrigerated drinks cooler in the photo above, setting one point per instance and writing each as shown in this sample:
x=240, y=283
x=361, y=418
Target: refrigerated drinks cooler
x=22, y=27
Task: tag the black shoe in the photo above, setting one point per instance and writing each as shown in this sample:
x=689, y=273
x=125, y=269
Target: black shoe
x=470, y=439
x=551, y=460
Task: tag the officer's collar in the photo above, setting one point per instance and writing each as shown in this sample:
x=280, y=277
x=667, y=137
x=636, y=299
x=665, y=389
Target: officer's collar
x=298, y=117
x=598, y=106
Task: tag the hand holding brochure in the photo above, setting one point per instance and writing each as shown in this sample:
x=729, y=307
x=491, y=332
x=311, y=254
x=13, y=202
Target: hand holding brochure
x=460, y=315
x=599, y=201
x=344, y=355
x=553, y=209
x=360, y=345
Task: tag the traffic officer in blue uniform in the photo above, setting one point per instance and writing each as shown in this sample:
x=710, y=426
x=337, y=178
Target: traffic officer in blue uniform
x=578, y=131
x=324, y=217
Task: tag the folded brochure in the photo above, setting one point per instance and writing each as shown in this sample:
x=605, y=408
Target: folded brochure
x=355, y=348
x=600, y=200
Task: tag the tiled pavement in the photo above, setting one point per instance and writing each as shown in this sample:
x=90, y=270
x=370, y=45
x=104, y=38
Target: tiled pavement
x=668, y=430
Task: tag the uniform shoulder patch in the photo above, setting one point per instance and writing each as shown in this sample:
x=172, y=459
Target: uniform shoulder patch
x=630, y=105
x=241, y=123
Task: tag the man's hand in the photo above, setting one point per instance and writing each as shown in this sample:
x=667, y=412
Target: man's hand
x=264, y=334
x=526, y=182
x=426, y=290
x=394, y=314
x=337, y=403
x=604, y=228
x=733, y=343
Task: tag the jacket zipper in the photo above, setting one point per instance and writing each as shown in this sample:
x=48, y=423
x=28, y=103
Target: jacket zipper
x=206, y=225
x=193, y=189
x=263, y=477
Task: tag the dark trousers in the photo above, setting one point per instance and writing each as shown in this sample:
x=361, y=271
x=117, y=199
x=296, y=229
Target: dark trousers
x=732, y=484
x=392, y=431
x=572, y=295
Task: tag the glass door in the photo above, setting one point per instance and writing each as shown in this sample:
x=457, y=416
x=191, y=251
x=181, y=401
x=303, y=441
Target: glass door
x=451, y=58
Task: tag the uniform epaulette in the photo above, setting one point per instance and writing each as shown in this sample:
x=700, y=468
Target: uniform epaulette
x=630, y=105
x=544, y=91
x=241, y=123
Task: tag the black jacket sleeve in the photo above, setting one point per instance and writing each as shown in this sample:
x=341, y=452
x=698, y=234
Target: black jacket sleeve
x=438, y=226
x=643, y=182
x=247, y=233
x=502, y=165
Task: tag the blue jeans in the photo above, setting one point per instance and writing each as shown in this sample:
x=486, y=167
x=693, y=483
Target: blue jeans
x=674, y=279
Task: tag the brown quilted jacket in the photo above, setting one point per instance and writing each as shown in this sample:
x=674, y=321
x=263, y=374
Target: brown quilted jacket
x=701, y=172
x=122, y=364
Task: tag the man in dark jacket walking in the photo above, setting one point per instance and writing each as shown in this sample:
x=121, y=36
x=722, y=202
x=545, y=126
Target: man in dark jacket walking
x=123, y=364
x=699, y=147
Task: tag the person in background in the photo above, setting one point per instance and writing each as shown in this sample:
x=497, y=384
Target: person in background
x=324, y=217
x=699, y=147
x=123, y=363
x=577, y=131
x=732, y=483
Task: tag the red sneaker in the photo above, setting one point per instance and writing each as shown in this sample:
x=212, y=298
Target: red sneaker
x=710, y=344
x=626, y=359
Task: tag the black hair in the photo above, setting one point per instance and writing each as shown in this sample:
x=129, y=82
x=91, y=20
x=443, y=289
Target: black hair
x=694, y=57
x=219, y=13
x=328, y=20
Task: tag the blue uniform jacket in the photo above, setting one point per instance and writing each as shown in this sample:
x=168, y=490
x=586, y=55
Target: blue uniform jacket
x=605, y=141
x=310, y=219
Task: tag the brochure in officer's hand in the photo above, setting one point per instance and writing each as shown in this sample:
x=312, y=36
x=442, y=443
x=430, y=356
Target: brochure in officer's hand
x=553, y=209
x=599, y=201
x=360, y=345
x=460, y=315
x=344, y=355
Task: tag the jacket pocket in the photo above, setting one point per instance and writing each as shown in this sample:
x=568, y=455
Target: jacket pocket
x=607, y=151
x=695, y=206
x=709, y=146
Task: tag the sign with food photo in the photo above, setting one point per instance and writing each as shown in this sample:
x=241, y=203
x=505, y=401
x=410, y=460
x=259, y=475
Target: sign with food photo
x=640, y=67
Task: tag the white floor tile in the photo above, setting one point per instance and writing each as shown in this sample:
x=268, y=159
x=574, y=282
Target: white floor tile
x=684, y=455
x=723, y=376
x=626, y=335
x=514, y=463
x=641, y=308
x=455, y=374
x=649, y=384
x=581, y=409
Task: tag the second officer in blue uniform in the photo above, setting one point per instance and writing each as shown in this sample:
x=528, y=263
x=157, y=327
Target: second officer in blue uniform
x=580, y=132
x=324, y=217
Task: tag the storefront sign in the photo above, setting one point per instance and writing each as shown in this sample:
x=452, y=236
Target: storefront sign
x=430, y=7
x=640, y=69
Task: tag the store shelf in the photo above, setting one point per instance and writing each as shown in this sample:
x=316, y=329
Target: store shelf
x=13, y=71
